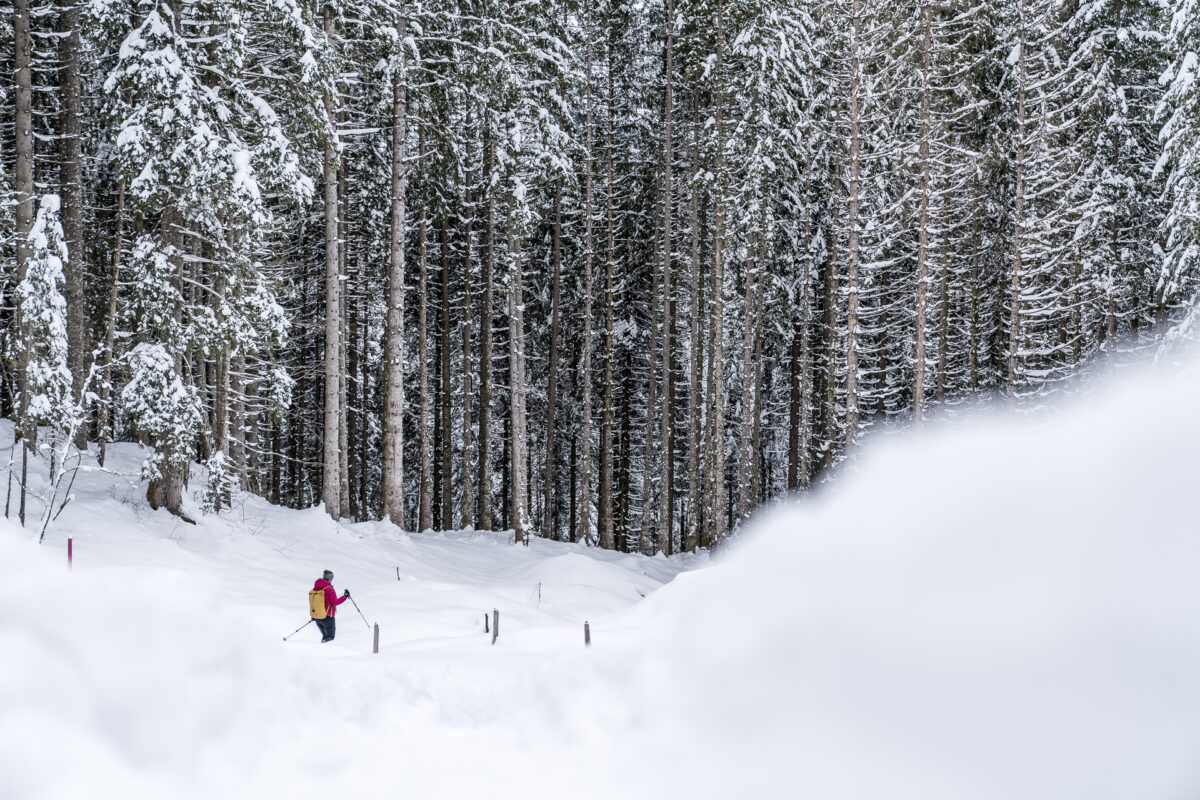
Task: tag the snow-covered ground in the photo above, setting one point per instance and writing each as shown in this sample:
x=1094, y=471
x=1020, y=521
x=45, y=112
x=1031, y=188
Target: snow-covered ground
x=1004, y=608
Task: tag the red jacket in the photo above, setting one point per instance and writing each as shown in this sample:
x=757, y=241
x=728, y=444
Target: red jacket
x=332, y=601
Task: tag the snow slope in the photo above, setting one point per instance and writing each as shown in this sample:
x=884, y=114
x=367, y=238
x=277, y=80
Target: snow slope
x=999, y=609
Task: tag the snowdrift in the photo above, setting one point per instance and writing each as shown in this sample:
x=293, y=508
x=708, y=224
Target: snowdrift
x=1006, y=608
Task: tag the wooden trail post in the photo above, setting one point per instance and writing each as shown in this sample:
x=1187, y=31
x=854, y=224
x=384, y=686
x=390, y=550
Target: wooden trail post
x=495, y=624
x=70, y=551
x=587, y=634
x=486, y=629
x=376, y=650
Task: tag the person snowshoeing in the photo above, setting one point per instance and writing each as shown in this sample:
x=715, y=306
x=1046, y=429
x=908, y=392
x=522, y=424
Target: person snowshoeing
x=332, y=601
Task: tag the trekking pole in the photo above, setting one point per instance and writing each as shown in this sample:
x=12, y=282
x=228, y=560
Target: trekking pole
x=293, y=633
x=360, y=613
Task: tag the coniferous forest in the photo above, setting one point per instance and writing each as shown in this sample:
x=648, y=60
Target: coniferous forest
x=608, y=270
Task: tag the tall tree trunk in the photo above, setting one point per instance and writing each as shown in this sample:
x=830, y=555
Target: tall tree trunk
x=757, y=478
x=973, y=332
x=623, y=465
x=667, y=435
x=469, y=473
x=364, y=388
x=72, y=200
x=505, y=471
x=425, y=512
x=606, y=419
x=521, y=525
x=106, y=390
x=648, y=506
x=393, y=423
x=716, y=301
x=585, y=370
x=484, y=521
x=1014, y=322
x=852, y=246
x=344, y=305
x=1108, y=333
x=805, y=383
x=551, y=470
x=943, y=322
x=923, y=215
x=795, y=378
x=799, y=367
x=331, y=479
x=439, y=446
x=298, y=463
x=746, y=453
x=828, y=371
x=447, y=506
x=694, y=514
x=574, y=509
x=240, y=424
x=469, y=470
x=24, y=188
x=221, y=412
x=276, y=464
x=356, y=421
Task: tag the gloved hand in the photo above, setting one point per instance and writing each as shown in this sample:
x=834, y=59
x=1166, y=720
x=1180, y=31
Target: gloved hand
x=346, y=593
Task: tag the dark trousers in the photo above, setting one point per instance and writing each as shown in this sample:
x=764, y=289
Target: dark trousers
x=328, y=627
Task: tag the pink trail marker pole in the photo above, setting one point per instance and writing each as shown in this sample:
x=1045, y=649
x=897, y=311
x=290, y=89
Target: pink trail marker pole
x=70, y=549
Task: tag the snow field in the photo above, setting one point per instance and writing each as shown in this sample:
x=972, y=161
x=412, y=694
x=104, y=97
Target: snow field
x=1003, y=608
x=157, y=664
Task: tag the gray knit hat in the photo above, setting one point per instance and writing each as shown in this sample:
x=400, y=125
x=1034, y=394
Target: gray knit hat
x=327, y=575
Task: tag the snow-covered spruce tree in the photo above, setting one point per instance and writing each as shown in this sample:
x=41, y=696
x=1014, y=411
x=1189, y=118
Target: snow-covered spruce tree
x=200, y=150
x=165, y=412
x=42, y=327
x=769, y=59
x=50, y=400
x=1119, y=50
x=704, y=49
x=868, y=241
x=1040, y=88
x=393, y=424
x=933, y=96
x=533, y=148
x=1179, y=110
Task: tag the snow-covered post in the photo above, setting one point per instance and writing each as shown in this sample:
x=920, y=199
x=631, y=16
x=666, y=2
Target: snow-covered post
x=495, y=625
x=376, y=646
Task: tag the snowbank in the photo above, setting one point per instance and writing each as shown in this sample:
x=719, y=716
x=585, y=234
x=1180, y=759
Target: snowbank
x=1008, y=608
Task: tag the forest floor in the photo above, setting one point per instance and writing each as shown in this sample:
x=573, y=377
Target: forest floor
x=995, y=608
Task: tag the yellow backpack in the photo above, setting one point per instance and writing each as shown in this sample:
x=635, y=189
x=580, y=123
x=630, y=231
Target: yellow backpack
x=316, y=603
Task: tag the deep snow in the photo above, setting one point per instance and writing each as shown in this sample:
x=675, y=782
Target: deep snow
x=1001, y=608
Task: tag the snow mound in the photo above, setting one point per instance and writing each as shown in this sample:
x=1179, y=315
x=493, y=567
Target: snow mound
x=1006, y=610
